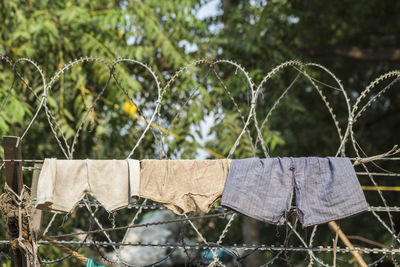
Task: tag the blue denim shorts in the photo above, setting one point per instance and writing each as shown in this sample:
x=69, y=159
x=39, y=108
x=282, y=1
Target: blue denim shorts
x=326, y=189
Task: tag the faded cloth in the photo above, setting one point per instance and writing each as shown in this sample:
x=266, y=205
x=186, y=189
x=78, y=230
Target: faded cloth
x=63, y=183
x=184, y=185
x=326, y=189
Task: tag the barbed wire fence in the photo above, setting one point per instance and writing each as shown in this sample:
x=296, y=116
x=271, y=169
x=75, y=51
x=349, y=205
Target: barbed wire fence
x=98, y=235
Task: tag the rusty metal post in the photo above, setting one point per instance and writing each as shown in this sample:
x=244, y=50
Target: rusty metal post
x=13, y=170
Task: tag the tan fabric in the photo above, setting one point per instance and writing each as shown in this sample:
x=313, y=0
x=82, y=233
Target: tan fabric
x=184, y=185
x=63, y=183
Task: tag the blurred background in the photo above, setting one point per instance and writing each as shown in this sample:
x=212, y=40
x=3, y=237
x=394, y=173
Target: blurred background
x=357, y=40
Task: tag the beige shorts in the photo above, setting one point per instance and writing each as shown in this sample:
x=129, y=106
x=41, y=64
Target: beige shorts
x=63, y=183
x=183, y=185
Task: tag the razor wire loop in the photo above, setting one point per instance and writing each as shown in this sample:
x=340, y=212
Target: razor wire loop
x=216, y=260
x=67, y=149
x=354, y=111
x=141, y=113
x=49, y=116
x=16, y=76
x=255, y=97
x=301, y=68
x=342, y=147
x=112, y=75
x=175, y=118
x=235, y=105
x=162, y=92
x=252, y=106
x=156, y=80
x=149, y=123
x=54, y=126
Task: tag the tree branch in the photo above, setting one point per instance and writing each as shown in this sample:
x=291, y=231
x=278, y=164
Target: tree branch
x=388, y=54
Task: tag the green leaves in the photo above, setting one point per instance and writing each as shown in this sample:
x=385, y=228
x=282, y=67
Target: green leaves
x=54, y=33
x=272, y=138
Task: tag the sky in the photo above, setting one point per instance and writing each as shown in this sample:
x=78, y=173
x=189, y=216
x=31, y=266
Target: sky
x=210, y=9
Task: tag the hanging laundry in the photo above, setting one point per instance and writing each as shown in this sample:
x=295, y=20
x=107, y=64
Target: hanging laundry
x=326, y=189
x=63, y=183
x=184, y=185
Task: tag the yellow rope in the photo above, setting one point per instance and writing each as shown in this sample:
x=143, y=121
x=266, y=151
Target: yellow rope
x=382, y=188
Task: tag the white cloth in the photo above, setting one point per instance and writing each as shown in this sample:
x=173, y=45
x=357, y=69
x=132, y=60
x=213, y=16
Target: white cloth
x=63, y=183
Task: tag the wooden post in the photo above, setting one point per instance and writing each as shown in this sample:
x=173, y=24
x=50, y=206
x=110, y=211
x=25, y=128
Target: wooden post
x=13, y=170
x=333, y=225
x=12, y=150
